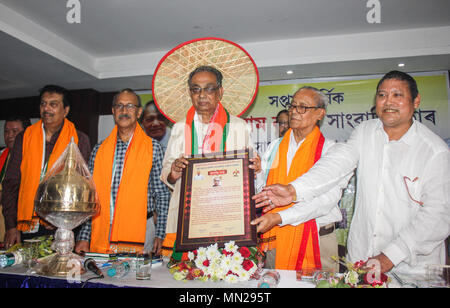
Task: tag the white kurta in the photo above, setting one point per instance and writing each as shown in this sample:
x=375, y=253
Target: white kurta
x=390, y=176
x=238, y=139
x=325, y=208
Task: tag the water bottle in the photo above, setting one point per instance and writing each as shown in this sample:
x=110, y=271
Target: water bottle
x=119, y=269
x=10, y=259
x=269, y=279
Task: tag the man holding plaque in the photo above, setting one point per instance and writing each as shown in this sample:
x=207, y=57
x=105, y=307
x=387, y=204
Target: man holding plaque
x=401, y=217
x=126, y=168
x=300, y=236
x=207, y=125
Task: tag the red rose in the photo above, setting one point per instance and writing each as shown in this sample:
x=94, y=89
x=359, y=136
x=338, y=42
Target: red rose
x=359, y=264
x=247, y=265
x=206, y=263
x=227, y=253
x=183, y=266
x=245, y=252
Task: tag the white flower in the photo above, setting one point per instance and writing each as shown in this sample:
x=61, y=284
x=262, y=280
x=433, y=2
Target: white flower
x=226, y=263
x=180, y=275
x=236, y=268
x=244, y=276
x=201, y=253
x=231, y=278
x=351, y=277
x=231, y=247
x=237, y=258
x=191, y=255
x=212, y=252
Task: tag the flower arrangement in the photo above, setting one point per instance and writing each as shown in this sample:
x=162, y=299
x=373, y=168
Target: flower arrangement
x=357, y=275
x=231, y=264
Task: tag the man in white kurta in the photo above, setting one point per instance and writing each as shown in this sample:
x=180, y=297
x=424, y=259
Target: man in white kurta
x=206, y=121
x=238, y=139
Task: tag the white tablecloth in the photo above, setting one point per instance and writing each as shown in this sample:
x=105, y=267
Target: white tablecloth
x=161, y=278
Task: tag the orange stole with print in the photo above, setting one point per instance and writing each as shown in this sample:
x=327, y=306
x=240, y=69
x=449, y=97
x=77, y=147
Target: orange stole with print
x=296, y=247
x=130, y=212
x=30, y=168
x=214, y=141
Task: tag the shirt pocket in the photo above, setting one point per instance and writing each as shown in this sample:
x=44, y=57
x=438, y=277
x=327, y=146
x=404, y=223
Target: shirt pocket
x=412, y=186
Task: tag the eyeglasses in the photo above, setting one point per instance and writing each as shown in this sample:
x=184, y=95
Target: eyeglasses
x=300, y=108
x=208, y=90
x=128, y=107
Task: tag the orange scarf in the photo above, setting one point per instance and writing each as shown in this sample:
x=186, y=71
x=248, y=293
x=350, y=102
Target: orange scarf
x=30, y=168
x=296, y=247
x=3, y=163
x=130, y=210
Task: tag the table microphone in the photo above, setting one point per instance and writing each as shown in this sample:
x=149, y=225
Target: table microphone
x=90, y=265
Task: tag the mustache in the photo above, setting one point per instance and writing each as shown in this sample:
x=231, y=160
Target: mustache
x=124, y=116
x=47, y=114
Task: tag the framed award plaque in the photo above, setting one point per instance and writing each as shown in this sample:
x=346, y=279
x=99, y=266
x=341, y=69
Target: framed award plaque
x=215, y=201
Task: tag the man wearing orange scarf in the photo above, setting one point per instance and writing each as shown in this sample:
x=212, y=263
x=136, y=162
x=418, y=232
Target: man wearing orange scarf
x=35, y=150
x=208, y=128
x=126, y=168
x=300, y=236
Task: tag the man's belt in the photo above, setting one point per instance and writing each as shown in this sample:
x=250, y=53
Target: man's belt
x=328, y=229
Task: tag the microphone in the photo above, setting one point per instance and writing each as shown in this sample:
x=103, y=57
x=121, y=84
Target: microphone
x=90, y=265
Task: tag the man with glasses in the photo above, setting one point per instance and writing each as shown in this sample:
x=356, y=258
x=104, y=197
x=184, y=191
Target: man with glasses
x=301, y=235
x=211, y=126
x=402, y=209
x=34, y=153
x=126, y=168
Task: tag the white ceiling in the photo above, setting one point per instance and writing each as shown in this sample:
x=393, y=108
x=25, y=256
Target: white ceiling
x=119, y=43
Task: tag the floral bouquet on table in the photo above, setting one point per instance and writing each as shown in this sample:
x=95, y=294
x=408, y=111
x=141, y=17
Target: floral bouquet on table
x=231, y=264
x=358, y=275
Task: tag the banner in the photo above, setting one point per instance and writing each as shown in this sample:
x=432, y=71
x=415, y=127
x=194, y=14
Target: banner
x=350, y=101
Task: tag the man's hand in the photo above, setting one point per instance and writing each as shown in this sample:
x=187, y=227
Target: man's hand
x=157, y=244
x=176, y=170
x=266, y=222
x=275, y=195
x=385, y=264
x=82, y=247
x=12, y=237
x=255, y=164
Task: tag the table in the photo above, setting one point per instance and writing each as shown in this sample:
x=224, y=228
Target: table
x=161, y=278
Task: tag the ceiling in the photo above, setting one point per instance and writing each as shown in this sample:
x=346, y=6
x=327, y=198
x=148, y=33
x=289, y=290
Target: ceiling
x=118, y=44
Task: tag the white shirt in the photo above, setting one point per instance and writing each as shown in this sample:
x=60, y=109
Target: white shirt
x=324, y=208
x=386, y=217
x=238, y=139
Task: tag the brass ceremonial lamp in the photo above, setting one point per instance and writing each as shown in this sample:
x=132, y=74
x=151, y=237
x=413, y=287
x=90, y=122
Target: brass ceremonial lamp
x=66, y=198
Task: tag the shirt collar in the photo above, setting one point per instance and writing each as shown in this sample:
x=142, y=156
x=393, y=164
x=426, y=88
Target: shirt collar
x=409, y=137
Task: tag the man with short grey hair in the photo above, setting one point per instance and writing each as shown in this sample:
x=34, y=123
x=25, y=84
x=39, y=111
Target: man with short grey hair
x=309, y=222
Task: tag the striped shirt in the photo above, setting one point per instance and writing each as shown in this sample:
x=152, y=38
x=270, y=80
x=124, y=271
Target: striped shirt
x=158, y=193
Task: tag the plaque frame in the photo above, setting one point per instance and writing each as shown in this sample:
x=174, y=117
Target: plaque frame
x=249, y=238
